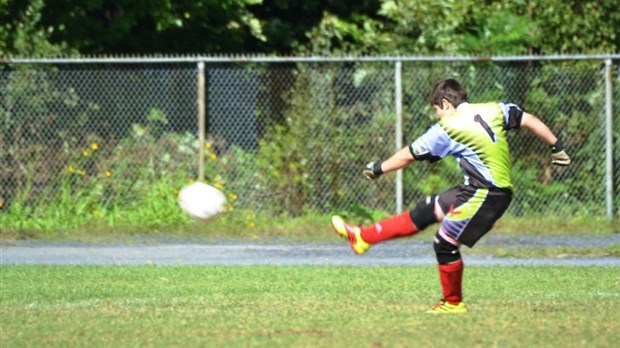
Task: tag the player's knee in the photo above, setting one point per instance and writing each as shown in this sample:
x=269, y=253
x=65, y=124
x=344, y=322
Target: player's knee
x=423, y=214
x=446, y=252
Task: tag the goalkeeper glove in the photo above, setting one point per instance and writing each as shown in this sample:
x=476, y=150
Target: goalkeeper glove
x=373, y=170
x=559, y=157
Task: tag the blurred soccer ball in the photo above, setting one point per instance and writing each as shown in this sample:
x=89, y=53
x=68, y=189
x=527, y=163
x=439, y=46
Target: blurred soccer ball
x=201, y=201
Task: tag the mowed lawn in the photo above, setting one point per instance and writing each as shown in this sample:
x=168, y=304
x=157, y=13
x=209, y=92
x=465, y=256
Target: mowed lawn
x=304, y=306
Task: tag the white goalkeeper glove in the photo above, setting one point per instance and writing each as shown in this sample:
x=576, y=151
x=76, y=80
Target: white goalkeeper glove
x=559, y=157
x=373, y=170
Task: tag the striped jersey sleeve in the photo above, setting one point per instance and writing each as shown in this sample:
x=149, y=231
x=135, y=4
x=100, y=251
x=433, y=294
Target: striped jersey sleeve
x=512, y=115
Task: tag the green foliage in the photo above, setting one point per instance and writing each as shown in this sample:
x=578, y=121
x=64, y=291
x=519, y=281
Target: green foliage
x=134, y=183
x=22, y=31
x=164, y=26
x=497, y=29
x=336, y=36
x=33, y=141
x=423, y=27
x=38, y=27
x=325, y=28
x=296, y=163
x=362, y=215
x=575, y=26
x=481, y=28
x=88, y=180
x=576, y=114
x=160, y=26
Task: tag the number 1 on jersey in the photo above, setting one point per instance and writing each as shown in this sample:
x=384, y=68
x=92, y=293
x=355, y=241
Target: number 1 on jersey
x=486, y=127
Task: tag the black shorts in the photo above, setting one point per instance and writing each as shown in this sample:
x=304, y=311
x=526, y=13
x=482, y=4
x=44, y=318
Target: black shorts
x=470, y=212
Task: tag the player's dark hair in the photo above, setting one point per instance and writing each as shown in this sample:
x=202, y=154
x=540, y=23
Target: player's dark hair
x=451, y=90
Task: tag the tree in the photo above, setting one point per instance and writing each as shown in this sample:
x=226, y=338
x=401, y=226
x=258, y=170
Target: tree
x=477, y=27
x=575, y=26
x=169, y=27
x=153, y=26
x=289, y=25
x=21, y=31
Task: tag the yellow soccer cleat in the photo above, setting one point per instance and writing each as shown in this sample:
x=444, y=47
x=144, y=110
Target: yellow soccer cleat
x=444, y=307
x=351, y=233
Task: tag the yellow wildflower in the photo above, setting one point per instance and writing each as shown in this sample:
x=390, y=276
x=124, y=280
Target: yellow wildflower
x=85, y=153
x=208, y=146
x=213, y=156
x=70, y=168
x=232, y=197
x=251, y=225
x=94, y=146
x=218, y=186
x=96, y=213
x=107, y=173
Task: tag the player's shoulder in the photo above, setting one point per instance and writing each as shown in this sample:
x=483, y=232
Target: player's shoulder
x=485, y=107
x=435, y=129
x=437, y=132
x=492, y=109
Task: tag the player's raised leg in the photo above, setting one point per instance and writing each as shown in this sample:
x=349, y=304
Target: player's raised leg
x=401, y=225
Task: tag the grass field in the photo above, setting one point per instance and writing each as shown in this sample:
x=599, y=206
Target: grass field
x=277, y=306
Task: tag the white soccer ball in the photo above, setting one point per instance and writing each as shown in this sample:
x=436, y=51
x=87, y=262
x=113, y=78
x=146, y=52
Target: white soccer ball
x=201, y=201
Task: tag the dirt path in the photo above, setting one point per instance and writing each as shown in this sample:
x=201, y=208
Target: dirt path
x=409, y=252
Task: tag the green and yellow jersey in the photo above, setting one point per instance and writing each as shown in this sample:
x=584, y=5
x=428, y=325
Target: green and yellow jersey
x=475, y=134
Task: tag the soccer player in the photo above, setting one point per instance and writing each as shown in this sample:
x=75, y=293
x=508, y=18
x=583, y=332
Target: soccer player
x=475, y=134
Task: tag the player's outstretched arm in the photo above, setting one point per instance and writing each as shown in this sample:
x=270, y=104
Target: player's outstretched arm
x=539, y=128
x=399, y=160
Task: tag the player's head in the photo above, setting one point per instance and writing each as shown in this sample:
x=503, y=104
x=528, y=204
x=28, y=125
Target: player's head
x=448, y=91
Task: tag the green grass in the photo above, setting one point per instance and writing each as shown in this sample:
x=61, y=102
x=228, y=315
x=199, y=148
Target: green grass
x=247, y=225
x=272, y=306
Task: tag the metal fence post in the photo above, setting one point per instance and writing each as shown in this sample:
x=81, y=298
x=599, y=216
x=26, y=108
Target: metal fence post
x=608, y=141
x=398, y=101
x=201, y=120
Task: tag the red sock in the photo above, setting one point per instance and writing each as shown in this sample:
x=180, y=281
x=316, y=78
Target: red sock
x=451, y=276
x=399, y=225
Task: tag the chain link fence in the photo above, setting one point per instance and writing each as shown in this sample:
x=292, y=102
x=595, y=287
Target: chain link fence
x=289, y=136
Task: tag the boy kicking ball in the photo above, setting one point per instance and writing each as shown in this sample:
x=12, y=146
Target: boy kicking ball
x=475, y=134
